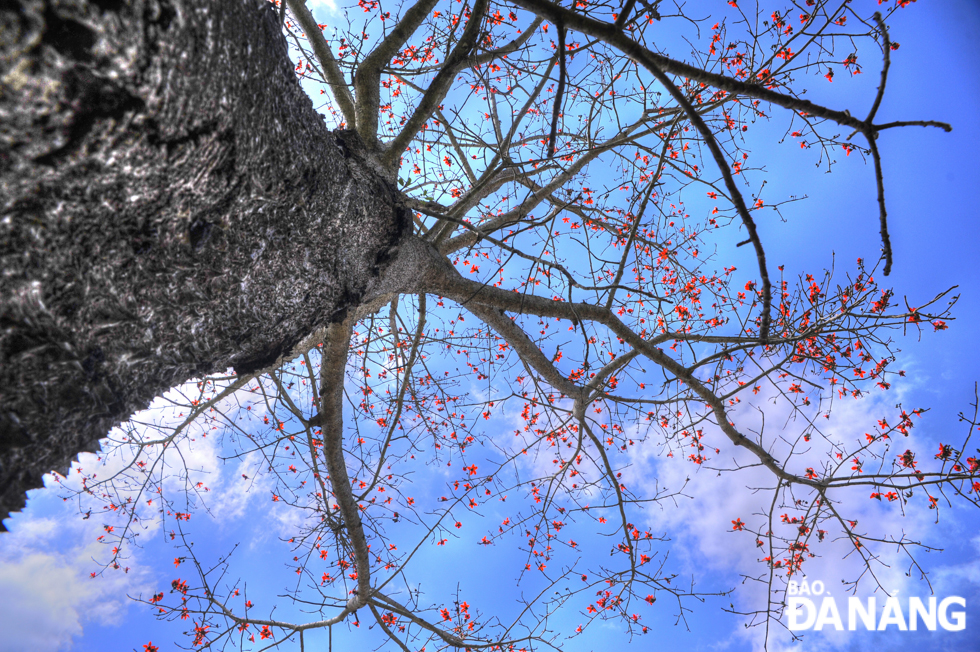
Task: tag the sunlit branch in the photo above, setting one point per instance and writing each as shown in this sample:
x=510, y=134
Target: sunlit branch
x=385, y=602
x=522, y=344
x=733, y=191
x=452, y=141
x=439, y=86
x=572, y=282
x=579, y=412
x=318, y=475
x=476, y=59
x=335, y=348
x=384, y=627
x=465, y=291
x=367, y=77
x=628, y=245
x=328, y=64
x=615, y=37
x=504, y=145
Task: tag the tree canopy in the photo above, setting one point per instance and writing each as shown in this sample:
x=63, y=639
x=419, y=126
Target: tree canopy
x=560, y=271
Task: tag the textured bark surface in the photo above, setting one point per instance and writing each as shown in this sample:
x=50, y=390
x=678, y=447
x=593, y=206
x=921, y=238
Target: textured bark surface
x=170, y=205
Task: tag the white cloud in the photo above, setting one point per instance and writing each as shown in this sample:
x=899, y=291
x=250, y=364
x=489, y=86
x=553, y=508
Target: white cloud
x=47, y=594
x=952, y=579
x=700, y=520
x=329, y=5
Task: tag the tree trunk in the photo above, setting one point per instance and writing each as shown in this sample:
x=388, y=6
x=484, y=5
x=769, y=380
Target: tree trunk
x=170, y=205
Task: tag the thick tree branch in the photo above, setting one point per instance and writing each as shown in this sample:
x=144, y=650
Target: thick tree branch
x=336, y=346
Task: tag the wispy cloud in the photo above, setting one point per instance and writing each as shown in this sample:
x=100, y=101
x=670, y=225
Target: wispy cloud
x=714, y=494
x=47, y=593
x=329, y=5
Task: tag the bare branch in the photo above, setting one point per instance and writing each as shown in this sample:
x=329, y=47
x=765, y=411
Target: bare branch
x=328, y=64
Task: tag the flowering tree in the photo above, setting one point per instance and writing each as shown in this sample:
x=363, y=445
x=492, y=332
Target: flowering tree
x=562, y=298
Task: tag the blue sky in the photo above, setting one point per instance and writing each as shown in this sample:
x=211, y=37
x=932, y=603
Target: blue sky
x=48, y=601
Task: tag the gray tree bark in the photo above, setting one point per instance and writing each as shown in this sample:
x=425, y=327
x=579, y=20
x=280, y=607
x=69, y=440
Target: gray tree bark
x=171, y=205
